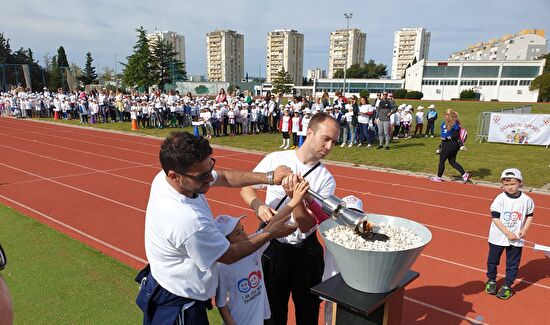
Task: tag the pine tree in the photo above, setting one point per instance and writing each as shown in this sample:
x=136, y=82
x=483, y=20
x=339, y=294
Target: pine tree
x=165, y=68
x=62, y=66
x=137, y=72
x=54, y=75
x=281, y=83
x=5, y=49
x=89, y=75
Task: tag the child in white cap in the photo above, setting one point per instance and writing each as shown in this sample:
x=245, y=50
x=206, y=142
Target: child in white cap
x=241, y=294
x=512, y=214
x=352, y=202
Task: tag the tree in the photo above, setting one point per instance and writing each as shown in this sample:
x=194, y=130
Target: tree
x=89, y=76
x=55, y=79
x=136, y=73
x=165, y=68
x=107, y=75
x=282, y=82
x=5, y=49
x=369, y=70
x=468, y=94
x=201, y=89
x=542, y=82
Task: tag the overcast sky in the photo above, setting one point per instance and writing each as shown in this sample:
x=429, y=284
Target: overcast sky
x=107, y=27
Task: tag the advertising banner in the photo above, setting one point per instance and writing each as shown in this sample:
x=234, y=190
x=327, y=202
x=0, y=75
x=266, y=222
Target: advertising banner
x=520, y=128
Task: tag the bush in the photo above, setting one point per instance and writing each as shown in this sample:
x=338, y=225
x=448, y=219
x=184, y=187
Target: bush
x=414, y=95
x=467, y=94
x=400, y=93
x=365, y=93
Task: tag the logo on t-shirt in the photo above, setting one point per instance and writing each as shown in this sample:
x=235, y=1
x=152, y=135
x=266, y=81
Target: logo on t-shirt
x=245, y=284
x=510, y=219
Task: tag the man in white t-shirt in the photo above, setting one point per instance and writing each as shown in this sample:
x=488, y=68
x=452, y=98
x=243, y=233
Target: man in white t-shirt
x=181, y=242
x=294, y=264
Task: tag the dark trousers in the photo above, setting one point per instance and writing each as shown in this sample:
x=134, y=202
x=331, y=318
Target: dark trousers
x=449, y=151
x=293, y=269
x=430, y=128
x=513, y=256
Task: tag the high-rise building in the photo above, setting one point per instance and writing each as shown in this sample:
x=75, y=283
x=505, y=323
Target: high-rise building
x=316, y=74
x=285, y=49
x=177, y=41
x=528, y=44
x=225, y=56
x=347, y=47
x=408, y=44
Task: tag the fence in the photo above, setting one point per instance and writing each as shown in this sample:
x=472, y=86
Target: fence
x=484, y=120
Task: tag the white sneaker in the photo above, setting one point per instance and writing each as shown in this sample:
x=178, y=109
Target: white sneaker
x=431, y=136
x=360, y=144
x=281, y=146
x=285, y=147
x=350, y=145
x=343, y=144
x=369, y=145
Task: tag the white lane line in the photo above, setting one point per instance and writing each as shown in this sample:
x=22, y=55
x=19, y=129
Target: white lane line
x=78, y=231
x=445, y=311
x=480, y=270
x=414, y=202
x=75, y=188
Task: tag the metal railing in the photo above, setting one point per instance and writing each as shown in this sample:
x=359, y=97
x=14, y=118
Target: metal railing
x=484, y=120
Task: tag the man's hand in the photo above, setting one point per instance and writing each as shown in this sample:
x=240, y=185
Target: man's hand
x=512, y=236
x=278, y=227
x=265, y=213
x=279, y=173
x=290, y=182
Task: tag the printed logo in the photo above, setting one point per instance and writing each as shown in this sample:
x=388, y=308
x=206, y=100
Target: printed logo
x=496, y=119
x=512, y=216
x=243, y=285
x=546, y=121
x=254, y=279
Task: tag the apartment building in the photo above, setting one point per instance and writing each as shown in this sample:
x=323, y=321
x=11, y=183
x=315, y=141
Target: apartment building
x=408, y=44
x=528, y=44
x=347, y=47
x=285, y=49
x=177, y=41
x=225, y=56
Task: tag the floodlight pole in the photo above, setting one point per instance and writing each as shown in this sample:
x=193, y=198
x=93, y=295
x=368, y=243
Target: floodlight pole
x=347, y=16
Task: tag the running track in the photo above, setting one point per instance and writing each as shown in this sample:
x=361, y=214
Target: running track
x=93, y=185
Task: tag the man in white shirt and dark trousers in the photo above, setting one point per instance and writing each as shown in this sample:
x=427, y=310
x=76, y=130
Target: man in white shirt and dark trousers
x=294, y=264
x=181, y=242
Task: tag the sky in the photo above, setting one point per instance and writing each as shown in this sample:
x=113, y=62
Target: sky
x=106, y=28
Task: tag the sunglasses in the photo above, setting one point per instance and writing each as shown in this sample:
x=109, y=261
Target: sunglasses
x=203, y=177
x=3, y=259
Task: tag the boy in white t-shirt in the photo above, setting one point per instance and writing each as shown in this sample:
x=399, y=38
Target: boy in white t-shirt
x=241, y=295
x=512, y=214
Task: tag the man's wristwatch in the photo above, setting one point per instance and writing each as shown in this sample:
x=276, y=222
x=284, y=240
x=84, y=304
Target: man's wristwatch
x=270, y=177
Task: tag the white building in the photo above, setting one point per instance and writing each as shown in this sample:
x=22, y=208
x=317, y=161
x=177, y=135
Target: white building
x=408, y=44
x=225, y=56
x=316, y=74
x=285, y=49
x=177, y=41
x=528, y=44
x=347, y=47
x=355, y=86
x=492, y=80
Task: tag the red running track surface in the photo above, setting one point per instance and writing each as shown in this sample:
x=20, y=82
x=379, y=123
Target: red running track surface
x=93, y=185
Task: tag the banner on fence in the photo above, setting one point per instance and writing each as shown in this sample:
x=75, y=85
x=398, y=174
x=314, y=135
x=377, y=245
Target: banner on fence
x=520, y=128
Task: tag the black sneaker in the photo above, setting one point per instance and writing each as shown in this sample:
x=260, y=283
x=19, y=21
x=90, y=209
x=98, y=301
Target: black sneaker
x=491, y=287
x=379, y=147
x=505, y=292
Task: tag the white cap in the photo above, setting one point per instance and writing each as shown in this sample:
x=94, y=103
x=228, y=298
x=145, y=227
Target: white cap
x=431, y=106
x=420, y=108
x=307, y=111
x=349, y=106
x=226, y=224
x=512, y=173
x=353, y=202
x=407, y=109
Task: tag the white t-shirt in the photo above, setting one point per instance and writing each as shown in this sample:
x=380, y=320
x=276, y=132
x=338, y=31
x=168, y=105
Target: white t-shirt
x=348, y=116
x=320, y=181
x=181, y=241
x=513, y=214
x=419, y=118
x=296, y=124
x=241, y=287
x=363, y=118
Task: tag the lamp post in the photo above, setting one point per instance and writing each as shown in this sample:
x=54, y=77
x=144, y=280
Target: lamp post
x=347, y=16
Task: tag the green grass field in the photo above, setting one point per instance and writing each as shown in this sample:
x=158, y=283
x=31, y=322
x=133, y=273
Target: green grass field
x=54, y=279
x=485, y=160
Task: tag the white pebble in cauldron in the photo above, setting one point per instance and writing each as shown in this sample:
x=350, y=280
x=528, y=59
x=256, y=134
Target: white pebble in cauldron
x=400, y=238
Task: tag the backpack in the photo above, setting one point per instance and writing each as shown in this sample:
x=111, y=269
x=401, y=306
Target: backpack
x=463, y=135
